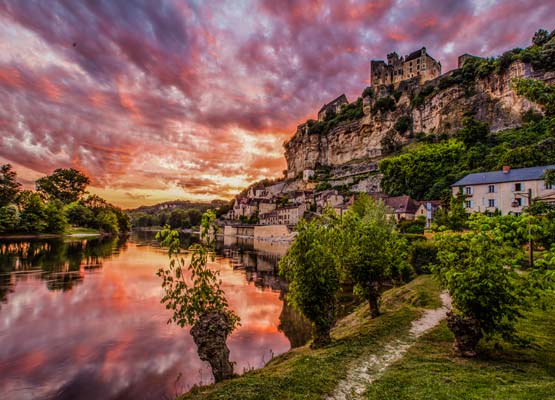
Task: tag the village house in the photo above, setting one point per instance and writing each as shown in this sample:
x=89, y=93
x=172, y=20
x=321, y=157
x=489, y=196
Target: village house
x=417, y=64
x=401, y=207
x=328, y=198
x=427, y=209
x=508, y=190
x=287, y=215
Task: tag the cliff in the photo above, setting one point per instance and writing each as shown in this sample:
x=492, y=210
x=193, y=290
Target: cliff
x=437, y=107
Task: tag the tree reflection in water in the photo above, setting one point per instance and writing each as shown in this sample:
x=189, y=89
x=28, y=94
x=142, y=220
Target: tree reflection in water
x=59, y=262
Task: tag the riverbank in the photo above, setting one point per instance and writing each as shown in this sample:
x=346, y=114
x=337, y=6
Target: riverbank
x=314, y=374
x=427, y=368
x=72, y=232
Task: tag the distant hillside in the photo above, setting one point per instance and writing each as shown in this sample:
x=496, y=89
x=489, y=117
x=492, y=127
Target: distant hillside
x=179, y=204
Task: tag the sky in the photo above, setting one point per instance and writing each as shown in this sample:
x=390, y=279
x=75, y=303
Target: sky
x=192, y=99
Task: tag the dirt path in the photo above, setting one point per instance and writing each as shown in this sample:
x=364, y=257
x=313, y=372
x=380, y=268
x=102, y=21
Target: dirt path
x=368, y=369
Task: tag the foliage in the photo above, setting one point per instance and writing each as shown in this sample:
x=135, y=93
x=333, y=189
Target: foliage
x=538, y=92
x=350, y=112
x=56, y=221
x=413, y=172
x=78, y=215
x=422, y=255
x=453, y=218
x=478, y=270
x=66, y=185
x=33, y=215
x=9, y=187
x=390, y=143
x=311, y=267
x=325, y=185
x=372, y=254
x=368, y=92
x=540, y=37
x=190, y=298
x=403, y=124
x=385, y=104
x=9, y=218
x=107, y=221
x=473, y=132
x=412, y=226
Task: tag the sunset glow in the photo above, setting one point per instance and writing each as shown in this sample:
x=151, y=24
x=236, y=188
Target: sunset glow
x=193, y=100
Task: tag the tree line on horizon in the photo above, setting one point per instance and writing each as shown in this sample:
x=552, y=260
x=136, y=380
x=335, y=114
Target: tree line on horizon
x=59, y=201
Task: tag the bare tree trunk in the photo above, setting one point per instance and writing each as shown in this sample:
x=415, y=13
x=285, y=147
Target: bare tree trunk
x=374, y=307
x=210, y=334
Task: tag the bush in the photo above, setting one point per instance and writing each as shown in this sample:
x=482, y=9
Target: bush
x=403, y=124
x=423, y=254
x=385, y=104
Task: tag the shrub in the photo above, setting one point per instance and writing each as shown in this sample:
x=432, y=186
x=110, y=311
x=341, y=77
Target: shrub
x=385, y=104
x=423, y=254
x=403, y=124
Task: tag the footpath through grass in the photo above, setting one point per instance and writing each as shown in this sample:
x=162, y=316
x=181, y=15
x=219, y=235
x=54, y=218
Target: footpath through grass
x=312, y=374
x=429, y=370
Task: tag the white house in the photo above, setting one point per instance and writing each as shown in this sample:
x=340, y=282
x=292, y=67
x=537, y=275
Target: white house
x=507, y=190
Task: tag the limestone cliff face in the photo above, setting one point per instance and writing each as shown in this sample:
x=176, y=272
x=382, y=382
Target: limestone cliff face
x=490, y=99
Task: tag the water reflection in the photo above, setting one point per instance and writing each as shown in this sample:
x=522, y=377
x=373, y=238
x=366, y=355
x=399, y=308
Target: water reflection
x=83, y=319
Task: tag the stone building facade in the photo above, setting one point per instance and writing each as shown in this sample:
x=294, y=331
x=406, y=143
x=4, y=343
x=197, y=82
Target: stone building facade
x=418, y=64
x=333, y=107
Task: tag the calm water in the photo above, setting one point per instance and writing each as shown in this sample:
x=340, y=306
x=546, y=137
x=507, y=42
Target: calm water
x=83, y=320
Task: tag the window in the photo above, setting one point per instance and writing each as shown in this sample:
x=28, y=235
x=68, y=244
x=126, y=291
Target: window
x=518, y=202
x=468, y=204
x=549, y=186
x=491, y=202
x=518, y=187
x=491, y=189
x=468, y=190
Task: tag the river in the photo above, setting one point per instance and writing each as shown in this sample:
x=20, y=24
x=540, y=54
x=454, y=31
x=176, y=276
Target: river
x=82, y=319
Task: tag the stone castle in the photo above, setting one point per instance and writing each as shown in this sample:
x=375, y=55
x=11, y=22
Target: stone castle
x=418, y=64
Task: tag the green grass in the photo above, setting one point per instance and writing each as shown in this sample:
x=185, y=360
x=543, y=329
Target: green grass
x=311, y=374
x=78, y=230
x=430, y=371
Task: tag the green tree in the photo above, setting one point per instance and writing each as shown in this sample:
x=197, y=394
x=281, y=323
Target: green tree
x=78, y=215
x=66, y=185
x=473, y=132
x=478, y=270
x=194, y=216
x=540, y=37
x=9, y=187
x=198, y=300
x=33, y=216
x=311, y=266
x=9, y=218
x=372, y=252
x=107, y=221
x=56, y=221
x=178, y=219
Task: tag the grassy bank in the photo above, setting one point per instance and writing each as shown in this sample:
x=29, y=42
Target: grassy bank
x=429, y=371
x=311, y=374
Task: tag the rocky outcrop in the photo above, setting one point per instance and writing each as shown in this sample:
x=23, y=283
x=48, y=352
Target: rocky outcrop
x=490, y=99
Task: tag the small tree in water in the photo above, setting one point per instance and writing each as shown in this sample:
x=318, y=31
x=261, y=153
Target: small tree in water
x=311, y=267
x=199, y=302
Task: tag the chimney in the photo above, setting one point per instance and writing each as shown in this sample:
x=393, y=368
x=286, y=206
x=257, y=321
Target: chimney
x=506, y=169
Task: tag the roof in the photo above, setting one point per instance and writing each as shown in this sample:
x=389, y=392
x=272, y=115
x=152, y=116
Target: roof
x=341, y=98
x=414, y=54
x=514, y=175
x=401, y=204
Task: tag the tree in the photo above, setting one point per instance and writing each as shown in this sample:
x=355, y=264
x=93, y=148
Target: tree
x=372, y=252
x=9, y=187
x=79, y=215
x=478, y=270
x=178, y=219
x=473, y=132
x=311, y=266
x=198, y=300
x=66, y=185
x=107, y=221
x=33, y=216
x=9, y=218
x=194, y=216
x=540, y=37
x=56, y=221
